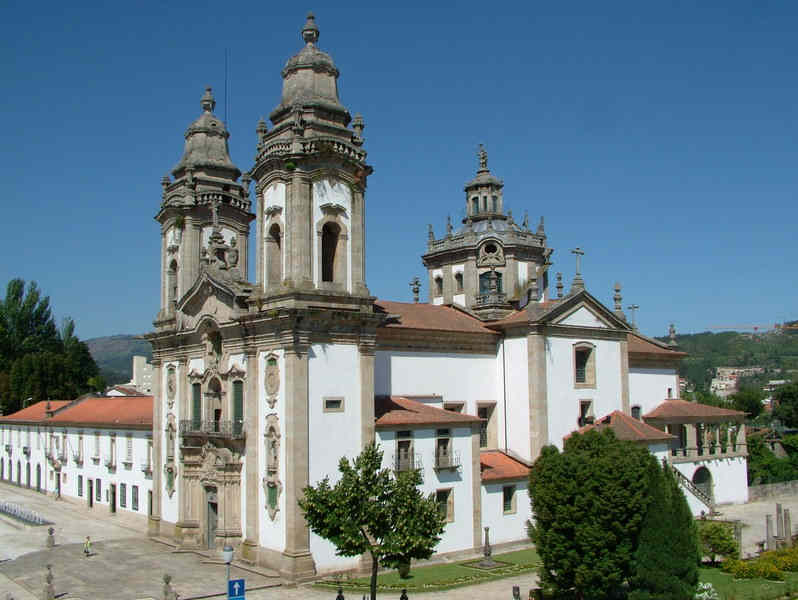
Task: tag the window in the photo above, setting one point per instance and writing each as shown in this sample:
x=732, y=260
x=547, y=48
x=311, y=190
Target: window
x=485, y=203
x=458, y=282
x=495, y=201
x=134, y=498
x=584, y=365
x=97, y=444
x=445, y=500
x=112, y=450
x=238, y=407
x=636, y=412
x=149, y=453
x=508, y=499
x=122, y=495
x=275, y=255
x=405, y=458
x=487, y=428
x=129, y=449
x=670, y=392
x=439, y=286
x=196, y=407
x=330, y=234
x=80, y=447
x=585, y=412
x=334, y=404
x=474, y=205
x=98, y=487
x=80, y=485
x=484, y=282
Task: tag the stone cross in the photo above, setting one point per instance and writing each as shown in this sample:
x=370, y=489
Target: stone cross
x=483, y=158
x=633, y=308
x=578, y=283
x=579, y=254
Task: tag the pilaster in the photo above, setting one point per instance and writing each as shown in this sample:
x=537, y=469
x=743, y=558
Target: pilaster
x=252, y=420
x=476, y=486
x=367, y=433
x=624, y=347
x=538, y=408
x=358, y=240
x=298, y=222
x=153, y=526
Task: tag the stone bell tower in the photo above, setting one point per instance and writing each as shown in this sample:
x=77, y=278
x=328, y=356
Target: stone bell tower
x=310, y=173
x=204, y=213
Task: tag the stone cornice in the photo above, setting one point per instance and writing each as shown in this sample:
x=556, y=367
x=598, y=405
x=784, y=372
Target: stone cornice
x=419, y=340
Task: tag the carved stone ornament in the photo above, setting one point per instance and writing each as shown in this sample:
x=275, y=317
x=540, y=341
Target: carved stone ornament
x=271, y=380
x=272, y=486
x=169, y=468
x=169, y=478
x=490, y=255
x=171, y=386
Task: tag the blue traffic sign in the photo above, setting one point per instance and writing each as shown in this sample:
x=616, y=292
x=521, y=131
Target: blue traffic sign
x=235, y=589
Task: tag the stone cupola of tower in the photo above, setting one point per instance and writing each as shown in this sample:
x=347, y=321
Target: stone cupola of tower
x=204, y=209
x=310, y=173
x=491, y=263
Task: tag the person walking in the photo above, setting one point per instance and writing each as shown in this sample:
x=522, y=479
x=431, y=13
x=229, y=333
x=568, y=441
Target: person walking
x=87, y=547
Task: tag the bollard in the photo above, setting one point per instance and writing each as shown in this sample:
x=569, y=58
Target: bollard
x=168, y=592
x=340, y=595
x=49, y=588
x=787, y=527
x=769, y=541
x=779, y=521
x=50, y=537
x=403, y=596
x=516, y=592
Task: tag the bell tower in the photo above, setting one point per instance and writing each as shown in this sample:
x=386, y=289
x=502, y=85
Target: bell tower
x=310, y=174
x=204, y=213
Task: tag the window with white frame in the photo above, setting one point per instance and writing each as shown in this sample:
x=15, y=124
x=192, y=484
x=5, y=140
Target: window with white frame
x=584, y=365
x=134, y=500
x=97, y=444
x=508, y=499
x=585, y=412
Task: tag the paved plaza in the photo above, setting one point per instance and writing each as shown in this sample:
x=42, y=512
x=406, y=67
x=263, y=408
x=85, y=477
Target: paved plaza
x=127, y=565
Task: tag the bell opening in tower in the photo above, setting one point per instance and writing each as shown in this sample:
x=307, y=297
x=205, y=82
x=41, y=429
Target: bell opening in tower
x=329, y=245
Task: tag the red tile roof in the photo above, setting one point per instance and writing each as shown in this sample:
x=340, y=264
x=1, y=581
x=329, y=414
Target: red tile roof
x=112, y=410
x=497, y=466
x=682, y=411
x=35, y=412
x=395, y=411
x=627, y=428
x=431, y=317
x=639, y=344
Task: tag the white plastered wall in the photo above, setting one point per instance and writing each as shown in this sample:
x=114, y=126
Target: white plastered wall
x=648, y=387
x=332, y=191
x=516, y=421
x=505, y=527
x=334, y=372
x=564, y=397
x=582, y=317
x=729, y=480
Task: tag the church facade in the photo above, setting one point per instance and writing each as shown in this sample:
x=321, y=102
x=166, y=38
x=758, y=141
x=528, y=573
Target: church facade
x=261, y=386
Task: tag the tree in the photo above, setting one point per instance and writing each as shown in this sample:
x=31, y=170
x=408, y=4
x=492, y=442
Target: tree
x=666, y=560
x=26, y=323
x=717, y=539
x=785, y=400
x=589, y=503
x=748, y=400
x=368, y=510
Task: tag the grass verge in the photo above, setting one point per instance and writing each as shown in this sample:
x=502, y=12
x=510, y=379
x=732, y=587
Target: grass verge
x=442, y=576
x=729, y=588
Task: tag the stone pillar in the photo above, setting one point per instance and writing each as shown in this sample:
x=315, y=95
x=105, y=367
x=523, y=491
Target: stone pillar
x=249, y=547
x=769, y=541
x=154, y=523
x=182, y=411
x=190, y=254
x=297, y=562
x=779, y=522
x=470, y=283
x=787, y=527
x=259, y=240
x=358, y=240
x=740, y=442
x=692, y=439
x=366, y=352
x=298, y=223
x=538, y=407
x=625, y=407
x=476, y=486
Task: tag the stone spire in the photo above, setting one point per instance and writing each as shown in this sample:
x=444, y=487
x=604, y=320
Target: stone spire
x=206, y=144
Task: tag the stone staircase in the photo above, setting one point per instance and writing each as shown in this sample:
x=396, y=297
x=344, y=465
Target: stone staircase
x=698, y=493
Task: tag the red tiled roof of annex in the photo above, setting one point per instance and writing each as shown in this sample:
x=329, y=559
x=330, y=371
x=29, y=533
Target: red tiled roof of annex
x=682, y=409
x=640, y=345
x=35, y=412
x=497, y=466
x=395, y=411
x=626, y=428
x=431, y=317
x=111, y=410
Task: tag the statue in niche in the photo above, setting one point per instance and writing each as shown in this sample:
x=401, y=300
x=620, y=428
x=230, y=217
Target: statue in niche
x=171, y=386
x=232, y=254
x=272, y=486
x=213, y=348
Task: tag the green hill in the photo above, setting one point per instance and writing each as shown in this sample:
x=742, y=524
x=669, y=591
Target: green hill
x=114, y=355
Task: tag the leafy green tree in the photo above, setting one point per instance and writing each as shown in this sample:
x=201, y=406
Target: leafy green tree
x=26, y=323
x=717, y=539
x=589, y=503
x=370, y=510
x=667, y=557
x=785, y=399
x=748, y=400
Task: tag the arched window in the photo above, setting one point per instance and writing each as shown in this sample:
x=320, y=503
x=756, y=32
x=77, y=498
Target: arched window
x=439, y=286
x=238, y=407
x=329, y=251
x=495, y=201
x=274, y=254
x=474, y=205
x=636, y=412
x=171, y=285
x=484, y=282
x=458, y=282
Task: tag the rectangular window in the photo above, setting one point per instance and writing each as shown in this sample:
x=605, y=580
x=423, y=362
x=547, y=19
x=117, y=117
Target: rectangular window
x=80, y=485
x=443, y=447
x=238, y=407
x=98, y=488
x=334, y=404
x=123, y=495
x=508, y=499
x=482, y=413
x=585, y=412
x=445, y=500
x=196, y=407
x=584, y=366
x=129, y=450
x=134, y=499
x=404, y=451
x=80, y=447
x=97, y=444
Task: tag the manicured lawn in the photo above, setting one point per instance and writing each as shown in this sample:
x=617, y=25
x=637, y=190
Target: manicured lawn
x=729, y=588
x=444, y=576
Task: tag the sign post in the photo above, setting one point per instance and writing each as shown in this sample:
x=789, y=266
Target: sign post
x=236, y=589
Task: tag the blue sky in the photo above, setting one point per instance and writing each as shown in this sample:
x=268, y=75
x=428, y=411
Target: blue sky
x=660, y=137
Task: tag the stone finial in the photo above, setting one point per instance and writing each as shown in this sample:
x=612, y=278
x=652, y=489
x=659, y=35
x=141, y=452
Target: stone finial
x=542, y=229
x=262, y=129
x=449, y=227
x=483, y=158
x=165, y=181
x=525, y=224
x=672, y=334
x=578, y=283
x=246, y=179
x=310, y=32
x=430, y=233
x=415, y=287
x=559, y=285
x=510, y=217
x=358, y=124
x=207, y=102
x=618, y=299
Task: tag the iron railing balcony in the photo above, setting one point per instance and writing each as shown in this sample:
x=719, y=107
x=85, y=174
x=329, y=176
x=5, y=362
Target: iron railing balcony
x=407, y=462
x=219, y=429
x=488, y=298
x=447, y=460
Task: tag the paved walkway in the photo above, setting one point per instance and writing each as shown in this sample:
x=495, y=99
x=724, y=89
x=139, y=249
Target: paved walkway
x=753, y=517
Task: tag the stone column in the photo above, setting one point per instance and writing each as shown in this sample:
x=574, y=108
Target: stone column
x=259, y=241
x=358, y=240
x=366, y=352
x=692, y=439
x=779, y=521
x=299, y=222
x=190, y=254
x=740, y=442
x=476, y=486
x=538, y=407
x=154, y=523
x=787, y=527
x=625, y=407
x=297, y=563
x=769, y=541
x=249, y=547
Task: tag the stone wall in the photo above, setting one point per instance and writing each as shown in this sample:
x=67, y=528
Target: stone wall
x=768, y=490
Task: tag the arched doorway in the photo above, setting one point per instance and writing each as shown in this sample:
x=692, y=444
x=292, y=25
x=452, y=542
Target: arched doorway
x=212, y=520
x=27, y=474
x=702, y=479
x=38, y=478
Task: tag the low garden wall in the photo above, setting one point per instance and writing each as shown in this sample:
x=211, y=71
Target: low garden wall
x=768, y=490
